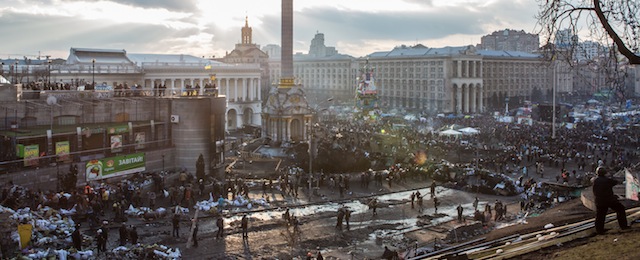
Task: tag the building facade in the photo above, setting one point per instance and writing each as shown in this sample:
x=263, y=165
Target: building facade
x=461, y=80
x=510, y=40
x=167, y=75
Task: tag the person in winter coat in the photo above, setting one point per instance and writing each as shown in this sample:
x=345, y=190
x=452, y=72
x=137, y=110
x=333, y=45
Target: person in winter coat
x=605, y=199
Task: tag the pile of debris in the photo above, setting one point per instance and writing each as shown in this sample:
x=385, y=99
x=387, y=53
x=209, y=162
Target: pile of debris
x=142, y=251
x=240, y=201
x=49, y=236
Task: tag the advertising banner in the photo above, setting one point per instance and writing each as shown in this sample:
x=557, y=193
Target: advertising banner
x=140, y=139
x=31, y=155
x=118, y=129
x=62, y=151
x=632, y=187
x=115, y=166
x=116, y=143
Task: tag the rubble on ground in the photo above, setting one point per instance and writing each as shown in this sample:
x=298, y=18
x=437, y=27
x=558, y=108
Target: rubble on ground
x=142, y=251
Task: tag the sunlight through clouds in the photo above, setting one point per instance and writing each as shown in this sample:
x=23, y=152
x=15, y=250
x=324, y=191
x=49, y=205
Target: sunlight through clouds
x=212, y=27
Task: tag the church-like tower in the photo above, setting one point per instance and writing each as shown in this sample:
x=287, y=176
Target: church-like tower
x=246, y=32
x=287, y=116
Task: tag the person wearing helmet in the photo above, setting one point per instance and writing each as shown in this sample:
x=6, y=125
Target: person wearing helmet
x=605, y=199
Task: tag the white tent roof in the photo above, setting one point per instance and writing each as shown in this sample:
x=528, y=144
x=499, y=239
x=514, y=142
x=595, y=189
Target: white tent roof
x=4, y=80
x=450, y=132
x=469, y=130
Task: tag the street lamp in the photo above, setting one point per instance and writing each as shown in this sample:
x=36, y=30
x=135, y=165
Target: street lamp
x=48, y=72
x=15, y=71
x=93, y=73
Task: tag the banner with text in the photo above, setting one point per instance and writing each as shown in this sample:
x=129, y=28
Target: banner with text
x=31, y=155
x=115, y=166
x=62, y=151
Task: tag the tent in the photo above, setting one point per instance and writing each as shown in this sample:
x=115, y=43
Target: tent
x=3, y=80
x=450, y=132
x=469, y=131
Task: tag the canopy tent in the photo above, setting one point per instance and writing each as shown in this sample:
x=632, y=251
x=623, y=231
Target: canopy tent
x=450, y=132
x=469, y=131
x=3, y=80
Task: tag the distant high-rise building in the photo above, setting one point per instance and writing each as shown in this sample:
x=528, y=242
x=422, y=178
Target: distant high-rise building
x=273, y=50
x=318, y=49
x=510, y=40
x=565, y=39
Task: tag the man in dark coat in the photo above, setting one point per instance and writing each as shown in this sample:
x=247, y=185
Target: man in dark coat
x=133, y=234
x=244, y=223
x=605, y=199
x=195, y=233
x=76, y=237
x=176, y=225
x=101, y=241
x=220, y=225
x=124, y=234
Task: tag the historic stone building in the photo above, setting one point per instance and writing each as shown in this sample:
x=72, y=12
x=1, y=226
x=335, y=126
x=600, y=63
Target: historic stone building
x=460, y=80
x=247, y=52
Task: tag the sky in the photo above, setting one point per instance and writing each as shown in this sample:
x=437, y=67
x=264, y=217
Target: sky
x=208, y=28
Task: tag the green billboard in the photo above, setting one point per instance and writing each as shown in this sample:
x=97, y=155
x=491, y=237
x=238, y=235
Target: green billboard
x=115, y=166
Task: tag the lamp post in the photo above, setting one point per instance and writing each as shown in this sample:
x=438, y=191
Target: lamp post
x=162, y=162
x=15, y=71
x=48, y=72
x=93, y=73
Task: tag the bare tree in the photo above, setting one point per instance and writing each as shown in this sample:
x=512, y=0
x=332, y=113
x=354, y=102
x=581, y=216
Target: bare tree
x=613, y=21
x=610, y=22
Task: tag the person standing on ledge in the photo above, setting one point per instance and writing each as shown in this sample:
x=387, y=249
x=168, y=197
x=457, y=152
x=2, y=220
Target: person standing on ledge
x=605, y=199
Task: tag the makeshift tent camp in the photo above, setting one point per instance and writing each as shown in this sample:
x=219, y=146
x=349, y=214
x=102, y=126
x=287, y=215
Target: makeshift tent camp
x=469, y=131
x=450, y=132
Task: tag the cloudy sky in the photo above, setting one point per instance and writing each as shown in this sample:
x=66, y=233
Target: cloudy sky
x=212, y=27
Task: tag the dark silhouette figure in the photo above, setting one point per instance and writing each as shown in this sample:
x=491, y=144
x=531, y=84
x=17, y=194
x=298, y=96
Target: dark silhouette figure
x=605, y=199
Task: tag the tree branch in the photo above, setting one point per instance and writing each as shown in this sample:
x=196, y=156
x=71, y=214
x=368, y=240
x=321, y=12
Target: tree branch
x=622, y=48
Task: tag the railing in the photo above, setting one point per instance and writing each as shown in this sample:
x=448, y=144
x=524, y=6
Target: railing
x=104, y=94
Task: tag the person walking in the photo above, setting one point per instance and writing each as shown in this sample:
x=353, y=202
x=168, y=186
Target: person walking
x=76, y=237
x=133, y=235
x=460, y=209
x=244, y=223
x=433, y=189
x=373, y=204
x=475, y=203
x=220, y=225
x=605, y=199
x=339, y=218
x=195, y=233
x=347, y=216
x=101, y=241
x=413, y=197
x=124, y=234
x=176, y=225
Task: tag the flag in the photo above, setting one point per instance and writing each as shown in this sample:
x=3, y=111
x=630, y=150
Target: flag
x=208, y=67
